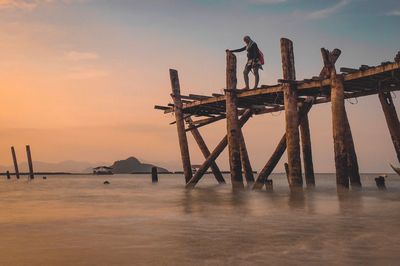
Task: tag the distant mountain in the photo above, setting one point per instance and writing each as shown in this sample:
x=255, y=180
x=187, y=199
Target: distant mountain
x=133, y=165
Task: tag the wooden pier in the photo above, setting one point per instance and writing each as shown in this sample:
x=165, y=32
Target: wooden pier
x=295, y=98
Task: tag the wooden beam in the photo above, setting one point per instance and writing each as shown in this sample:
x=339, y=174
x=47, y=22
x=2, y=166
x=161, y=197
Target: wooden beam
x=232, y=125
x=244, y=157
x=215, y=153
x=352, y=161
x=205, y=151
x=338, y=122
x=280, y=149
x=333, y=58
x=392, y=119
x=291, y=114
x=14, y=156
x=307, y=152
x=180, y=125
x=30, y=164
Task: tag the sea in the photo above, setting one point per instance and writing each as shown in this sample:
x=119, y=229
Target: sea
x=77, y=220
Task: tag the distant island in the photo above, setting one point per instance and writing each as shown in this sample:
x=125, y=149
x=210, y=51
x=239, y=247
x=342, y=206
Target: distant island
x=134, y=166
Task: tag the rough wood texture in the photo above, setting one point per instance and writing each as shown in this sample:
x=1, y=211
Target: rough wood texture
x=392, y=119
x=232, y=125
x=338, y=121
x=291, y=114
x=280, y=149
x=215, y=153
x=30, y=164
x=14, y=156
x=244, y=156
x=205, y=151
x=183, y=144
x=154, y=174
x=307, y=152
x=352, y=161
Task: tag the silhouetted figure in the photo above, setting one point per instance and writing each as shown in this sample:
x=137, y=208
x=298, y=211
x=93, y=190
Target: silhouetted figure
x=254, y=57
x=106, y=182
x=380, y=182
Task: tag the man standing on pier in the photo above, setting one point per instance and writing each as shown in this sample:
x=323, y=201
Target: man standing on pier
x=255, y=60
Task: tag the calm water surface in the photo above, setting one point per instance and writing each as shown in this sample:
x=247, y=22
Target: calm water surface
x=76, y=220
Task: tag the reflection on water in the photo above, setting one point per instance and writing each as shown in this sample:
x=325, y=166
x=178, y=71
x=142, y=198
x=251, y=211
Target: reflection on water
x=69, y=220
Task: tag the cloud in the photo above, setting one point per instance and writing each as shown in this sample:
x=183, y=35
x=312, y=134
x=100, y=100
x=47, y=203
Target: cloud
x=30, y=4
x=393, y=13
x=80, y=56
x=323, y=13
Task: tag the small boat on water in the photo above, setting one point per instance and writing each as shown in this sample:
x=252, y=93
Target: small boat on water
x=396, y=169
x=102, y=170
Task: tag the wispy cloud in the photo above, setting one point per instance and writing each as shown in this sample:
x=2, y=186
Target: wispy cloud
x=326, y=12
x=393, y=13
x=80, y=56
x=30, y=4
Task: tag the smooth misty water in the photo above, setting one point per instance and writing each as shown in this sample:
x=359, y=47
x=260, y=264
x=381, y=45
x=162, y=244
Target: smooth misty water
x=76, y=220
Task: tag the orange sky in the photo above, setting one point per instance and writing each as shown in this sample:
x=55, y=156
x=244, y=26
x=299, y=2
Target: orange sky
x=79, y=81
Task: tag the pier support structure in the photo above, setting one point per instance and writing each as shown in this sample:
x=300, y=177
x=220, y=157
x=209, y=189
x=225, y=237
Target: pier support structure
x=307, y=151
x=232, y=123
x=392, y=119
x=180, y=124
x=30, y=164
x=14, y=157
x=291, y=114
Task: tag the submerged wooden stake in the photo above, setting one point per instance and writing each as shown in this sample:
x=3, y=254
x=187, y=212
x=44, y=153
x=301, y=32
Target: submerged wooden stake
x=180, y=125
x=30, y=164
x=154, y=174
x=338, y=121
x=392, y=119
x=8, y=175
x=14, y=156
x=205, y=151
x=232, y=124
x=216, y=152
x=307, y=152
x=291, y=114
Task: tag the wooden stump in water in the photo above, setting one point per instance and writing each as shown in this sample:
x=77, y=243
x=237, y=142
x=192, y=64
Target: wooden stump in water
x=8, y=175
x=154, y=175
x=380, y=182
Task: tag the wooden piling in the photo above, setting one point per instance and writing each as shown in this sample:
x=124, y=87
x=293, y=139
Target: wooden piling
x=280, y=149
x=338, y=121
x=14, y=156
x=392, y=119
x=291, y=114
x=8, y=175
x=307, y=152
x=233, y=129
x=30, y=164
x=205, y=151
x=216, y=152
x=286, y=165
x=154, y=174
x=352, y=161
x=183, y=144
x=244, y=156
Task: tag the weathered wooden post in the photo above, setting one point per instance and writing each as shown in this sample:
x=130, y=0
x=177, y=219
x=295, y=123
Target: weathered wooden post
x=286, y=165
x=8, y=175
x=392, y=119
x=233, y=129
x=180, y=124
x=246, y=165
x=205, y=151
x=30, y=164
x=307, y=152
x=291, y=114
x=154, y=174
x=338, y=121
x=14, y=156
x=352, y=161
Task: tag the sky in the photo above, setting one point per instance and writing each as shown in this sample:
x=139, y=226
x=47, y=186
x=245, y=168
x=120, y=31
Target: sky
x=79, y=78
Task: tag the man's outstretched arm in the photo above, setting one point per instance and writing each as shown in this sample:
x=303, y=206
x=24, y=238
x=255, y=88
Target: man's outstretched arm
x=237, y=50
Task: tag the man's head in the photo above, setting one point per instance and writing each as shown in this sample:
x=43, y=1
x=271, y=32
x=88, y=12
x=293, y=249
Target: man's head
x=246, y=39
